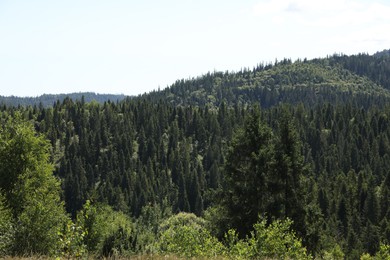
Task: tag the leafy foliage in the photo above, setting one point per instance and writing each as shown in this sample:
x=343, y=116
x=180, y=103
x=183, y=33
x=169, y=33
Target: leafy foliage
x=106, y=232
x=273, y=241
x=382, y=254
x=185, y=235
x=276, y=241
x=72, y=241
x=31, y=191
x=6, y=228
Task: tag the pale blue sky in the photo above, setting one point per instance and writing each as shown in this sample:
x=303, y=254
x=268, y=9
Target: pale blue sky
x=133, y=47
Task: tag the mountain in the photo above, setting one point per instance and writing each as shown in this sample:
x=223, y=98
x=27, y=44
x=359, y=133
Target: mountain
x=49, y=99
x=339, y=78
x=359, y=78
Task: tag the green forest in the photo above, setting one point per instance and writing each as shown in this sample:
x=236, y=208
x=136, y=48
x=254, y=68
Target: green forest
x=289, y=160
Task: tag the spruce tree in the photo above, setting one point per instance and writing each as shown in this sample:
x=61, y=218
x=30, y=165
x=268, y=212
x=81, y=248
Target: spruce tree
x=249, y=162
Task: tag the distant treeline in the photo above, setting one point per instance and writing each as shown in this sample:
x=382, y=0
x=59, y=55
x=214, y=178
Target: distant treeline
x=47, y=100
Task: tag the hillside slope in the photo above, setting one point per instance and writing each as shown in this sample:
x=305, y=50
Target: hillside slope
x=309, y=82
x=362, y=79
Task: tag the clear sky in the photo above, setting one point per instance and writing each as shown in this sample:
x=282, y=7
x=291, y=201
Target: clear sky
x=132, y=47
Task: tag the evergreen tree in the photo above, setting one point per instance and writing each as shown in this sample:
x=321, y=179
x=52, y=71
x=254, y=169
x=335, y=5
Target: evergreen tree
x=290, y=172
x=249, y=163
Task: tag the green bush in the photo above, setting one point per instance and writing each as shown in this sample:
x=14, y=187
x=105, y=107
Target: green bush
x=336, y=253
x=277, y=241
x=274, y=241
x=107, y=232
x=382, y=254
x=72, y=241
x=237, y=248
x=185, y=235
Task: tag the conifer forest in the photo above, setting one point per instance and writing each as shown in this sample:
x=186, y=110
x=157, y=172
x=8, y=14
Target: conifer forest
x=289, y=160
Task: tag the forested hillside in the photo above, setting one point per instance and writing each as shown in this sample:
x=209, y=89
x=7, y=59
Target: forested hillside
x=334, y=80
x=255, y=154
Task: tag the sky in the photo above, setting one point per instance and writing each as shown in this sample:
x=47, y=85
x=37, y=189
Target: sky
x=133, y=47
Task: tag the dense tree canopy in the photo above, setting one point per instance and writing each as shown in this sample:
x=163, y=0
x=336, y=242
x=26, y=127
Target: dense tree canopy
x=313, y=155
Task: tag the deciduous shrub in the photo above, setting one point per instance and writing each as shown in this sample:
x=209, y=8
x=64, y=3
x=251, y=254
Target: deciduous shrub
x=185, y=235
